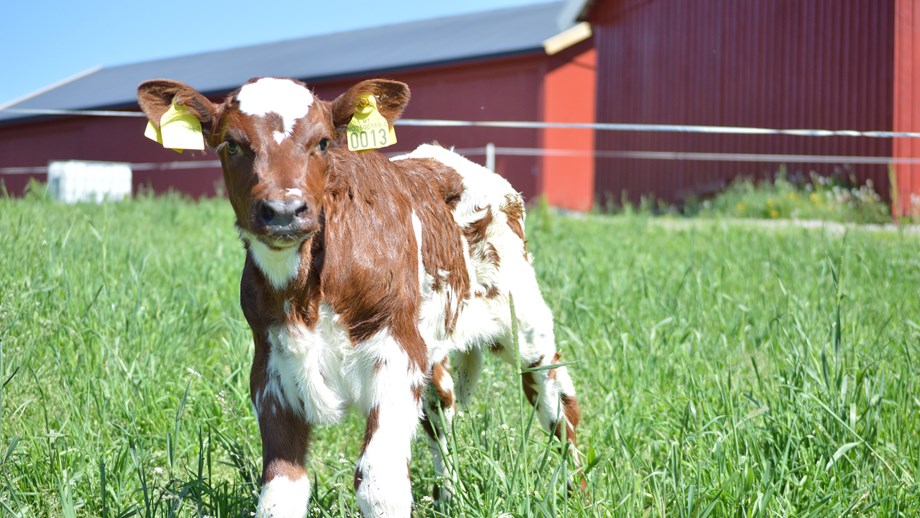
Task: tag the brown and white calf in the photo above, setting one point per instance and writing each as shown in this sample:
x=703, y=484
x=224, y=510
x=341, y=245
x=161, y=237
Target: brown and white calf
x=362, y=277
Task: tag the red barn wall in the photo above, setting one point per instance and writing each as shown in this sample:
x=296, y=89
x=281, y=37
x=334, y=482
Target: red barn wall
x=906, y=105
x=500, y=89
x=569, y=96
x=775, y=64
x=506, y=89
x=114, y=139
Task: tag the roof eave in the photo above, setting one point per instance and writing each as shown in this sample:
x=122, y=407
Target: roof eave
x=567, y=38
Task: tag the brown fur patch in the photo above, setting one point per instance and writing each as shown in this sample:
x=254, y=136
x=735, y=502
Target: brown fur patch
x=482, y=251
x=572, y=414
x=514, y=209
x=372, y=422
x=438, y=372
x=359, y=477
x=552, y=372
x=475, y=232
x=285, y=435
x=529, y=383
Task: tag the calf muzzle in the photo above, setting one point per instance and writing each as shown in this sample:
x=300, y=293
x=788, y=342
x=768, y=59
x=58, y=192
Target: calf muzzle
x=283, y=217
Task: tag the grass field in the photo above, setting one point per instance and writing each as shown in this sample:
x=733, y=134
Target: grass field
x=722, y=370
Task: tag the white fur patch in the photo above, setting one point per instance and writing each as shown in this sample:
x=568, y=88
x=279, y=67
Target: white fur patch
x=288, y=99
x=417, y=229
x=284, y=498
x=486, y=320
x=308, y=368
x=293, y=192
x=279, y=266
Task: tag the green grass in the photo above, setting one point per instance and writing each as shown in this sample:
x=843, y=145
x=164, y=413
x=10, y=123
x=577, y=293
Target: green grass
x=721, y=369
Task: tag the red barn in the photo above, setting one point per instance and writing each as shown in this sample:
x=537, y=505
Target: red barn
x=509, y=64
x=828, y=64
x=831, y=64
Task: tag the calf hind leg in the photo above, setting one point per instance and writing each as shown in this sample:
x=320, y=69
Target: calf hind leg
x=439, y=413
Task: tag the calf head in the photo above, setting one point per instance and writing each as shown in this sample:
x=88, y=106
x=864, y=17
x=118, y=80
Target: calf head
x=274, y=139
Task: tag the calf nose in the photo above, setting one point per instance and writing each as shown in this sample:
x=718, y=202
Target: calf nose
x=281, y=214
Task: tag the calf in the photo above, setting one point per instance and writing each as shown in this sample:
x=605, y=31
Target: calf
x=362, y=276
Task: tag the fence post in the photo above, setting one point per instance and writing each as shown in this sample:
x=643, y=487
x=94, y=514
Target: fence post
x=490, y=157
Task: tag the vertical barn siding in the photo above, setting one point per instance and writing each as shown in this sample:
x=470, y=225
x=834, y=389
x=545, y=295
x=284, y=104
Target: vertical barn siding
x=907, y=109
x=776, y=64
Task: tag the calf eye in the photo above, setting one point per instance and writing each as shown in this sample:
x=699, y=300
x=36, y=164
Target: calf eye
x=232, y=148
x=323, y=144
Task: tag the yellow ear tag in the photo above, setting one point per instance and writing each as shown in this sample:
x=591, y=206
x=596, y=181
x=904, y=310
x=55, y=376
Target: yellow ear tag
x=368, y=129
x=178, y=130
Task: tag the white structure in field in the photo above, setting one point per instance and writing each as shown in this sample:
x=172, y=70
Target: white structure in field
x=74, y=181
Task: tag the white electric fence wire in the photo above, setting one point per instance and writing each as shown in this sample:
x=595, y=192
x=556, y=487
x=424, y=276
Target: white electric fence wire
x=490, y=151
x=602, y=126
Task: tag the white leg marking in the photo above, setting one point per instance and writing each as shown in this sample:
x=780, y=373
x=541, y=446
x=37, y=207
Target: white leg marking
x=282, y=497
x=384, y=489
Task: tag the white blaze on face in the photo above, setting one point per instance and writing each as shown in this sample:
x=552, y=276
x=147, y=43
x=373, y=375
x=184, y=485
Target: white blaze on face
x=288, y=99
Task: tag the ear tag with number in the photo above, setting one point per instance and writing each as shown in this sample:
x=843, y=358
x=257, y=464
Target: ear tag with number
x=178, y=130
x=368, y=129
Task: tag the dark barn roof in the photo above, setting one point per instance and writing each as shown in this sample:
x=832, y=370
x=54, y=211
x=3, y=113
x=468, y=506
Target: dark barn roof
x=450, y=39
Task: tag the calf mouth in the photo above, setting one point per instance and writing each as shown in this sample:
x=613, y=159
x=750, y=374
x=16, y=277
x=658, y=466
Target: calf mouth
x=277, y=239
x=283, y=239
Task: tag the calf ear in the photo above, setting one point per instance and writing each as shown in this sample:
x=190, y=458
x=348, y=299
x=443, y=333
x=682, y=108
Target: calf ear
x=392, y=98
x=155, y=97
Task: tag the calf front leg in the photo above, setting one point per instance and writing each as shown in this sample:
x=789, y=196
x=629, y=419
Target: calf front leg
x=285, y=436
x=391, y=402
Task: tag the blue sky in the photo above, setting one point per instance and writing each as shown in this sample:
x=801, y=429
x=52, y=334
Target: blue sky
x=43, y=42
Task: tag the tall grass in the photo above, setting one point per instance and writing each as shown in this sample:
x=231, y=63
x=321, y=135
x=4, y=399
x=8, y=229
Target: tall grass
x=720, y=369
